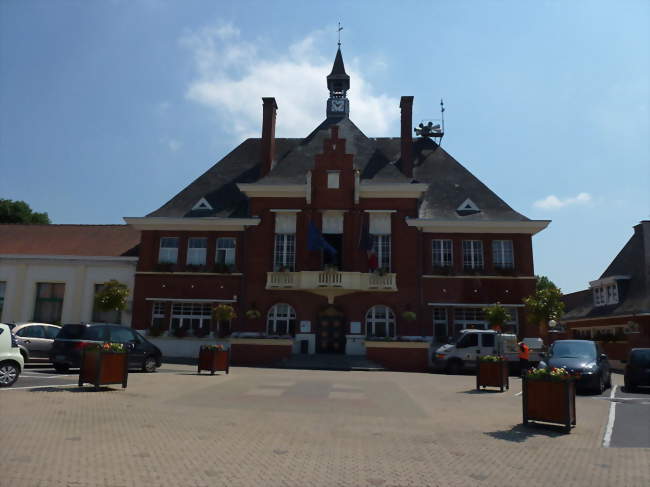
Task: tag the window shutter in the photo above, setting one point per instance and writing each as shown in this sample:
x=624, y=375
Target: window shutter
x=285, y=223
x=380, y=223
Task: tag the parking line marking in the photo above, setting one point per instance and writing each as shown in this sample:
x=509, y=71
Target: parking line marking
x=612, y=417
x=518, y=394
x=36, y=387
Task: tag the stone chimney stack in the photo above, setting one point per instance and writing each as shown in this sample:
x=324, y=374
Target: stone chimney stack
x=269, y=108
x=406, y=105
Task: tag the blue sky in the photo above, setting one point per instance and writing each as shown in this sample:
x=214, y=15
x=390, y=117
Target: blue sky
x=109, y=108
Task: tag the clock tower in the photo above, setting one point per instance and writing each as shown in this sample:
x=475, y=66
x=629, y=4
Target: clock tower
x=338, y=82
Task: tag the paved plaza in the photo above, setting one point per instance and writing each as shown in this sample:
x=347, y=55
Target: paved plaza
x=272, y=427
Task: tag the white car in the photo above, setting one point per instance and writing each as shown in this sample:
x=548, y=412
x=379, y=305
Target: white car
x=11, y=361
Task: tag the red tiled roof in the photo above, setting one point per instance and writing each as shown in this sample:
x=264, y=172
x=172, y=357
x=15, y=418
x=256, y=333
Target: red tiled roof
x=82, y=240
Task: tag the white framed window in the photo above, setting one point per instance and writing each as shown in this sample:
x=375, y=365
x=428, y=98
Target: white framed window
x=605, y=294
x=158, y=314
x=380, y=322
x=226, y=251
x=502, y=254
x=168, y=253
x=381, y=245
x=191, y=316
x=333, y=179
x=281, y=320
x=284, y=255
x=442, y=253
x=197, y=250
x=472, y=254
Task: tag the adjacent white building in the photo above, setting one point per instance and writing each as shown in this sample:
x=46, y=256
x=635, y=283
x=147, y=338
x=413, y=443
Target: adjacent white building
x=51, y=273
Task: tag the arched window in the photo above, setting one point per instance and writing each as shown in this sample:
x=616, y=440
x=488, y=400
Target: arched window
x=281, y=320
x=380, y=322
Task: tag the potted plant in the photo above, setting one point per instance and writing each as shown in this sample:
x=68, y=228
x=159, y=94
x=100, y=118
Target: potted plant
x=549, y=395
x=113, y=296
x=496, y=316
x=253, y=314
x=222, y=315
x=214, y=358
x=409, y=316
x=103, y=364
x=492, y=371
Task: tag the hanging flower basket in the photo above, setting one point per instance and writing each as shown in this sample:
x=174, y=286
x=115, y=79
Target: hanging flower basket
x=492, y=371
x=214, y=358
x=105, y=364
x=253, y=314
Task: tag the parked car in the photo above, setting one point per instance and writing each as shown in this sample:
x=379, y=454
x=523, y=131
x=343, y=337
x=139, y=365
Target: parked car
x=10, y=325
x=584, y=357
x=11, y=361
x=637, y=369
x=35, y=339
x=66, y=350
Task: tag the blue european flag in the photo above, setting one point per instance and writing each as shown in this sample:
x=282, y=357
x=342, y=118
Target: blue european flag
x=316, y=241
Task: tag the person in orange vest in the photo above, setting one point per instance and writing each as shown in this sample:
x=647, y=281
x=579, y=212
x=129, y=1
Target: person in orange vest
x=524, y=354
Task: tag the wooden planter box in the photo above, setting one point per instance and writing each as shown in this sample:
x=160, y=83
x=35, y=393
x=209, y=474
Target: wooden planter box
x=492, y=374
x=214, y=360
x=550, y=402
x=101, y=368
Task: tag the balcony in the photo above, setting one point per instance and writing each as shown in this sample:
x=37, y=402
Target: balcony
x=331, y=283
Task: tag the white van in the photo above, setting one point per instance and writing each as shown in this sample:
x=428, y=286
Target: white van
x=471, y=344
x=11, y=361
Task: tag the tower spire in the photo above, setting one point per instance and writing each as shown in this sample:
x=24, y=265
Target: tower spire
x=338, y=83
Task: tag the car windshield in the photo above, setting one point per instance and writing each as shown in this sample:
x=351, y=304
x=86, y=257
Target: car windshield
x=573, y=350
x=640, y=357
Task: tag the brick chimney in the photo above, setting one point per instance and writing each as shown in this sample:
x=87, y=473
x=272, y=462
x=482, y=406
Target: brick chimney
x=269, y=108
x=406, y=105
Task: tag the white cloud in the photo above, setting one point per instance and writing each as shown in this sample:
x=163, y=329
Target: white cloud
x=174, y=144
x=552, y=202
x=232, y=75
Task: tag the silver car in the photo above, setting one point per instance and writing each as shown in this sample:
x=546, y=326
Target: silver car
x=35, y=339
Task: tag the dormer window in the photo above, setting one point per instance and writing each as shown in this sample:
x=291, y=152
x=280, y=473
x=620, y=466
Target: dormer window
x=605, y=292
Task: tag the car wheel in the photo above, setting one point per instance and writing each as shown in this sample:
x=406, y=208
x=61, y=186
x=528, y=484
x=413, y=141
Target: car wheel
x=454, y=367
x=149, y=364
x=629, y=387
x=9, y=373
x=601, y=385
x=609, y=380
x=61, y=368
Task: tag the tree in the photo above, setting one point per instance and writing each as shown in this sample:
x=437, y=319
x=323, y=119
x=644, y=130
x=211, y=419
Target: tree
x=545, y=304
x=20, y=212
x=496, y=316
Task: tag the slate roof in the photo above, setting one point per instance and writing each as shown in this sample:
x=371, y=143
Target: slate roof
x=634, y=294
x=77, y=240
x=377, y=159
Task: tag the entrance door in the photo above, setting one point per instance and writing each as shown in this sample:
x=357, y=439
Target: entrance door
x=331, y=332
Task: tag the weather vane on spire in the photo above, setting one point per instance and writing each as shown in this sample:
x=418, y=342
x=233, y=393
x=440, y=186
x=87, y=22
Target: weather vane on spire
x=340, y=29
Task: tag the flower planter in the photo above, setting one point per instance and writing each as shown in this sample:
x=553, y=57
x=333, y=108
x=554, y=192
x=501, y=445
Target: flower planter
x=549, y=401
x=492, y=374
x=214, y=360
x=101, y=368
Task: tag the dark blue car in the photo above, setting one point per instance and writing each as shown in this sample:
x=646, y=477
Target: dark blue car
x=584, y=357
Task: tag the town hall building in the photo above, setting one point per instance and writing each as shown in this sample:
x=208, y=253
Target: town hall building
x=333, y=243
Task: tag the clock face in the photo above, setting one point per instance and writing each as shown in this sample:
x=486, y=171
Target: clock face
x=337, y=105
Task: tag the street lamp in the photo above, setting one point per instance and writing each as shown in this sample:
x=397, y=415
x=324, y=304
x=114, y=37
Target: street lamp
x=552, y=324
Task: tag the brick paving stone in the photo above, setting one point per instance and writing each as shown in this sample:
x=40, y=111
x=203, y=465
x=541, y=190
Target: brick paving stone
x=319, y=428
